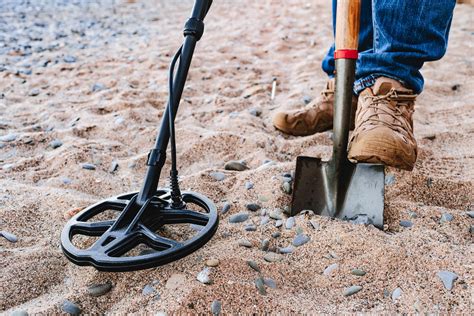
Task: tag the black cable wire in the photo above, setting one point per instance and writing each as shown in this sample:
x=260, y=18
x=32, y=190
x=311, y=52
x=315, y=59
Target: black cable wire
x=176, y=198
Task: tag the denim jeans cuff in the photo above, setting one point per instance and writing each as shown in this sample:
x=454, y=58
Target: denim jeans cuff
x=368, y=81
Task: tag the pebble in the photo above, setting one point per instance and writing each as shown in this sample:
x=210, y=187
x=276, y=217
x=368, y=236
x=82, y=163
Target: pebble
x=286, y=187
x=204, y=277
x=248, y=185
x=88, y=166
x=113, y=166
x=98, y=87
x=390, y=179
x=244, y=243
x=405, y=223
x=255, y=111
x=216, y=307
x=8, y=138
x=448, y=278
x=290, y=222
x=272, y=257
x=276, y=214
x=225, y=207
x=264, y=220
x=235, y=165
x=55, y=143
x=218, y=176
x=250, y=228
x=352, y=290
x=238, y=218
x=34, y=92
x=300, y=240
x=358, y=272
x=259, y=283
x=97, y=290
x=307, y=99
x=253, y=207
x=279, y=223
x=412, y=214
x=8, y=166
x=396, y=294
x=70, y=308
x=263, y=198
x=446, y=217
x=471, y=229
x=9, y=236
x=19, y=313
x=69, y=59
x=314, y=224
x=253, y=265
x=265, y=244
x=330, y=269
x=361, y=219
x=270, y=283
x=276, y=234
x=286, y=250
x=470, y=214
x=148, y=289
x=212, y=262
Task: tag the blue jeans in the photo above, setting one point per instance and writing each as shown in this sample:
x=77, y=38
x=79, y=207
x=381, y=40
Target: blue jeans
x=396, y=38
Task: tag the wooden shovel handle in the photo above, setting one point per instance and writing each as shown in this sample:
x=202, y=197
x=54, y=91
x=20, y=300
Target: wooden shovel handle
x=347, y=24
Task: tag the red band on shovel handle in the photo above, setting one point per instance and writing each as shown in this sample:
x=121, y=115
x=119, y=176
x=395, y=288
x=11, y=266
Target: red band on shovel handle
x=346, y=54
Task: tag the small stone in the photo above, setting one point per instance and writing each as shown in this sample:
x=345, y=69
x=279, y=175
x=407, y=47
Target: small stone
x=148, y=289
x=70, y=308
x=300, y=240
x=358, y=272
x=250, y=228
x=69, y=59
x=259, y=283
x=212, y=262
x=448, y=278
x=98, y=87
x=471, y=229
x=253, y=265
x=235, y=165
x=314, y=224
x=119, y=120
x=330, y=269
x=8, y=167
x=279, y=223
x=244, y=243
x=396, y=294
x=113, y=166
x=19, y=313
x=352, y=290
x=455, y=87
x=255, y=111
x=390, y=179
x=386, y=293
x=405, y=223
x=225, y=207
x=446, y=217
x=286, y=187
x=264, y=220
x=55, y=144
x=34, y=92
x=270, y=283
x=88, y=166
x=272, y=257
x=412, y=214
x=253, y=207
x=263, y=198
x=276, y=234
x=290, y=222
x=204, y=277
x=238, y=218
x=307, y=99
x=8, y=138
x=361, y=219
x=9, y=236
x=265, y=244
x=248, y=185
x=216, y=307
x=218, y=176
x=276, y=214
x=470, y=214
x=286, y=250
x=97, y=290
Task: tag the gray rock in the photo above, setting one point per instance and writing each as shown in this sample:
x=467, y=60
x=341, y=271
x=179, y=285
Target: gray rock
x=34, y=92
x=98, y=87
x=218, y=176
x=276, y=234
x=279, y=223
x=264, y=220
x=446, y=217
x=248, y=185
x=235, y=165
x=70, y=308
x=396, y=294
x=250, y=228
x=470, y=213
x=239, y=218
x=272, y=257
x=8, y=236
x=358, y=272
x=253, y=207
x=255, y=111
x=113, y=166
x=216, y=307
x=390, y=179
x=405, y=223
x=270, y=283
x=8, y=138
x=69, y=59
x=204, y=276
x=300, y=240
x=265, y=244
x=276, y=214
x=290, y=222
x=286, y=187
x=471, y=229
x=97, y=290
x=225, y=207
x=361, y=219
x=148, y=289
x=352, y=290
x=286, y=250
x=88, y=166
x=448, y=278
x=253, y=265
x=55, y=143
x=19, y=313
x=330, y=269
x=259, y=283
x=244, y=243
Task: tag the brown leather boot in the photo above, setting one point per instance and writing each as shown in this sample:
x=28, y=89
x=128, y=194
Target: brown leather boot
x=384, y=126
x=316, y=117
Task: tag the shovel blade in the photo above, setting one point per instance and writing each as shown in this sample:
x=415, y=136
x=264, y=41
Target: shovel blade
x=359, y=197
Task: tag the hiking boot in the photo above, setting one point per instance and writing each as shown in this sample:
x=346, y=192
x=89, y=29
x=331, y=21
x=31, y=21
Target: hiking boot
x=316, y=117
x=384, y=126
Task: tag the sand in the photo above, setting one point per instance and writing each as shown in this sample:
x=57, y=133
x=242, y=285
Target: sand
x=245, y=46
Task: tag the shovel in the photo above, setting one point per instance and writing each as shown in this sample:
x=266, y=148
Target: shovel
x=339, y=188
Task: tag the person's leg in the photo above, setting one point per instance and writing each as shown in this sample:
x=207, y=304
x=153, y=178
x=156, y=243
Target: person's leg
x=365, y=34
x=405, y=35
